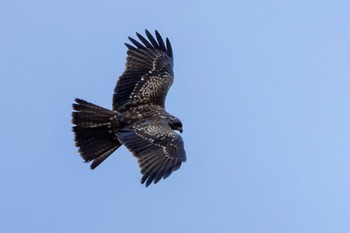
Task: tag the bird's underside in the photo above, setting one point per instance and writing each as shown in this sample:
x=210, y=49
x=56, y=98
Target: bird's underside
x=138, y=119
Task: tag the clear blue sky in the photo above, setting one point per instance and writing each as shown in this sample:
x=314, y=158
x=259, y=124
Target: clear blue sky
x=262, y=88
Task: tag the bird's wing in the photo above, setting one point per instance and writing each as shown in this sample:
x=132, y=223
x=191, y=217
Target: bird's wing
x=148, y=72
x=159, y=150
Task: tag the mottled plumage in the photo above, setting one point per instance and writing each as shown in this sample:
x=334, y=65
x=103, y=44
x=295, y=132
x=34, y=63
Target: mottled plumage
x=138, y=119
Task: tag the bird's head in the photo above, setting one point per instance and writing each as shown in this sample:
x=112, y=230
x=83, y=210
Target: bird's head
x=175, y=124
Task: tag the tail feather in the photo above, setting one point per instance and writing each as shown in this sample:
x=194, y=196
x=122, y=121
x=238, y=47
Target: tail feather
x=95, y=131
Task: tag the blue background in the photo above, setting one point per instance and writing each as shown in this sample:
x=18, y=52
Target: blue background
x=262, y=88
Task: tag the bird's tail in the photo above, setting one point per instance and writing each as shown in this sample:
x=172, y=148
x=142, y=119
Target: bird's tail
x=95, y=131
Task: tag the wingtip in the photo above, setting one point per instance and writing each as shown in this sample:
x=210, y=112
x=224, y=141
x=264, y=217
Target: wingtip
x=129, y=46
x=169, y=47
x=148, y=33
x=77, y=100
x=156, y=32
x=160, y=41
x=143, y=180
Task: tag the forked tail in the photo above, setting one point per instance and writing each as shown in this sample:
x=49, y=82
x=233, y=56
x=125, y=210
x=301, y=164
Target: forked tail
x=95, y=131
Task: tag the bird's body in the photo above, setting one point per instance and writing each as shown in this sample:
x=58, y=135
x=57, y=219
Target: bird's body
x=138, y=119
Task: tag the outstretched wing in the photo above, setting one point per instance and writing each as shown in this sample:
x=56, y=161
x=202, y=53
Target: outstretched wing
x=159, y=150
x=148, y=73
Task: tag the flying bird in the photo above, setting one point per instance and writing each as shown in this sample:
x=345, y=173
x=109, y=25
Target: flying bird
x=138, y=119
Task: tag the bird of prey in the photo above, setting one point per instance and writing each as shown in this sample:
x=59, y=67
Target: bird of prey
x=138, y=119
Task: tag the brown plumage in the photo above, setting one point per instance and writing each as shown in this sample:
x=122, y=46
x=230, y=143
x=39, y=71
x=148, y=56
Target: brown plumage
x=138, y=119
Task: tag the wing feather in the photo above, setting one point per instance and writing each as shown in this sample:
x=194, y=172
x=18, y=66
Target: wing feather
x=152, y=40
x=160, y=41
x=161, y=170
x=169, y=48
x=136, y=43
x=144, y=40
